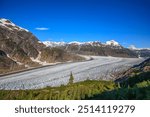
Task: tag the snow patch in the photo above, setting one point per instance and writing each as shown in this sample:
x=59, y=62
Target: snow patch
x=6, y=23
x=5, y=26
x=112, y=43
x=23, y=29
x=19, y=63
x=37, y=60
x=27, y=66
x=53, y=44
x=75, y=42
x=39, y=42
x=87, y=57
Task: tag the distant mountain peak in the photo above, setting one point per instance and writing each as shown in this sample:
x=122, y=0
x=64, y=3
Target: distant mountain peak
x=53, y=44
x=112, y=43
x=10, y=25
x=133, y=47
x=76, y=42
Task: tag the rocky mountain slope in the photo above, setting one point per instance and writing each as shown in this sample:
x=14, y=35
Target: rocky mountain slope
x=6, y=63
x=18, y=43
x=21, y=47
x=110, y=48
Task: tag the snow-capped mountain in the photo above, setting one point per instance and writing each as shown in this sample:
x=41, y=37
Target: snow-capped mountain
x=11, y=26
x=110, y=48
x=112, y=43
x=92, y=43
x=54, y=44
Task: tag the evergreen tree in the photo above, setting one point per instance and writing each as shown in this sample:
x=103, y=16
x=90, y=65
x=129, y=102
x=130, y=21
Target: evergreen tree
x=71, y=79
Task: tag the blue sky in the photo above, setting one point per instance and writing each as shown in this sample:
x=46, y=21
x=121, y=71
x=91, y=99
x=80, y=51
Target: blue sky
x=126, y=21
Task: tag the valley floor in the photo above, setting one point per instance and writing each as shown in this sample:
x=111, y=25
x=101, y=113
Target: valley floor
x=100, y=68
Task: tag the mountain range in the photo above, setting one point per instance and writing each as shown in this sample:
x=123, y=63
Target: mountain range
x=20, y=49
x=110, y=48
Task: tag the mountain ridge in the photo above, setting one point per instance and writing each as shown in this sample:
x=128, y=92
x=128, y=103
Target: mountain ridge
x=110, y=48
x=108, y=43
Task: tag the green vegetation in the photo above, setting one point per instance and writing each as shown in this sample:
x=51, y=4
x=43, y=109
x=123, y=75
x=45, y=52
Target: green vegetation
x=76, y=91
x=136, y=87
x=71, y=79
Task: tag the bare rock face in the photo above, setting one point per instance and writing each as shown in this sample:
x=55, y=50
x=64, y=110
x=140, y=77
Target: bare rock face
x=14, y=39
x=19, y=45
x=6, y=63
x=2, y=54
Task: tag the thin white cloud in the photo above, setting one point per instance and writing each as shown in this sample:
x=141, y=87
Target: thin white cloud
x=42, y=28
